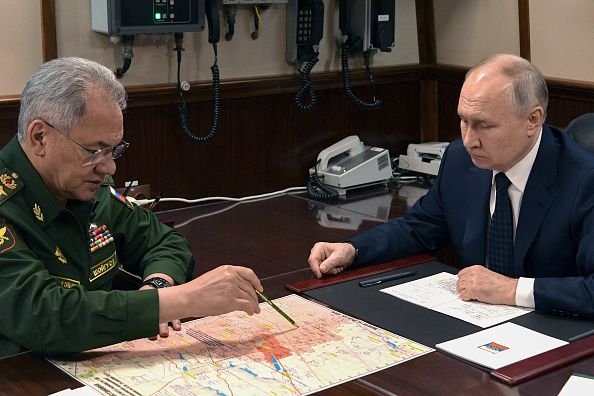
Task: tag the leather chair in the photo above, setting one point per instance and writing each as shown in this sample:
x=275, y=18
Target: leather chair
x=582, y=130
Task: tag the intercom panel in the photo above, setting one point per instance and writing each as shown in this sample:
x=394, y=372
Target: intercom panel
x=128, y=17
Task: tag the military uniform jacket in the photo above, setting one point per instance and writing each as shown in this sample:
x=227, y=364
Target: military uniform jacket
x=54, y=287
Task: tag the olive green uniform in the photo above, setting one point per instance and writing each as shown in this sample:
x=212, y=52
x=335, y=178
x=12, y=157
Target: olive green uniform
x=55, y=291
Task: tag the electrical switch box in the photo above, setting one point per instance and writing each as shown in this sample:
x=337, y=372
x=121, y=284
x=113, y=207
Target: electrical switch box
x=129, y=17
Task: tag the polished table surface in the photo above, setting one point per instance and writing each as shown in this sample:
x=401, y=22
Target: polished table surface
x=274, y=236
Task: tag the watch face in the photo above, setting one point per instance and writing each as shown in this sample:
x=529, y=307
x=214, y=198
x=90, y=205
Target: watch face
x=157, y=282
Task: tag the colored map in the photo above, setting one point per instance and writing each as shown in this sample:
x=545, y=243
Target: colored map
x=237, y=354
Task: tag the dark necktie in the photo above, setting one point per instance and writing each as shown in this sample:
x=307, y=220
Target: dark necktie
x=501, y=248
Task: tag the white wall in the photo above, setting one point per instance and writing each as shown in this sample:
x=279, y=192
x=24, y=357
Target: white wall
x=156, y=63
x=20, y=43
x=562, y=38
x=561, y=34
x=466, y=31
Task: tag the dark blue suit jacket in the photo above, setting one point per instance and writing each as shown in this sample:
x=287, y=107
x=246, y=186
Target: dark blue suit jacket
x=554, y=240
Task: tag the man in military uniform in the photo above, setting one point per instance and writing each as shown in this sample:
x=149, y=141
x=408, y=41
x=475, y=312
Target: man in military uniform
x=63, y=235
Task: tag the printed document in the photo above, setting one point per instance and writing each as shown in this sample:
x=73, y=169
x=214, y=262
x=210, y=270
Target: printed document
x=438, y=292
x=500, y=345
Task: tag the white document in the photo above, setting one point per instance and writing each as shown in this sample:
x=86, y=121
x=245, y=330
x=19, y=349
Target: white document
x=438, y=292
x=578, y=384
x=500, y=345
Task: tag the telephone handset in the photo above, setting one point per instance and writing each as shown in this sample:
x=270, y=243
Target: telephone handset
x=305, y=29
x=365, y=25
x=345, y=165
x=214, y=34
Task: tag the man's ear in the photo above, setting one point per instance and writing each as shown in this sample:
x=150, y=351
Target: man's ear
x=534, y=120
x=37, y=137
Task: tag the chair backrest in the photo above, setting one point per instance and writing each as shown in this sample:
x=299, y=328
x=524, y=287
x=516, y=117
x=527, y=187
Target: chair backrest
x=582, y=130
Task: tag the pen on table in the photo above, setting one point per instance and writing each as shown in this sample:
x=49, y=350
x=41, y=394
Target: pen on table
x=273, y=305
x=387, y=278
x=129, y=185
x=156, y=201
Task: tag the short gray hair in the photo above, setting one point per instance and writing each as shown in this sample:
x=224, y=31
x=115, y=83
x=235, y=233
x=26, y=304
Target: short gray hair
x=528, y=85
x=56, y=93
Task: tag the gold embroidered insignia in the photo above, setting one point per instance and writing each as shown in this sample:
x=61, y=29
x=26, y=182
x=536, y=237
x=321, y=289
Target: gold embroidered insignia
x=65, y=282
x=9, y=184
x=2, y=237
x=8, y=181
x=60, y=256
x=37, y=211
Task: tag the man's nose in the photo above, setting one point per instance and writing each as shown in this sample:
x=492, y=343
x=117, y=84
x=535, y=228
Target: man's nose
x=107, y=165
x=469, y=137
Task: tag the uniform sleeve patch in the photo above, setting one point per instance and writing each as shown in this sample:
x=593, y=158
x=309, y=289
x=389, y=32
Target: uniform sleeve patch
x=7, y=239
x=120, y=197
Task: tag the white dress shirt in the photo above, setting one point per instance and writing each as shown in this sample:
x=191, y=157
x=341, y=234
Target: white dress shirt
x=518, y=175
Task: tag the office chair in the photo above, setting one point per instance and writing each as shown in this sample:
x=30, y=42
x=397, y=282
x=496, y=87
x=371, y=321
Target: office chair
x=581, y=130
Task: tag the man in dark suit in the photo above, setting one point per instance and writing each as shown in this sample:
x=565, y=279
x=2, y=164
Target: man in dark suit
x=502, y=108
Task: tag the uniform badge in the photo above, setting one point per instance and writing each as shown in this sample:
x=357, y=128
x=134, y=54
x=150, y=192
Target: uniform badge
x=9, y=184
x=60, y=256
x=120, y=197
x=7, y=240
x=38, y=213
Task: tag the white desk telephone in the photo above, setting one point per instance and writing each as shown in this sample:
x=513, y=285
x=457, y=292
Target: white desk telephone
x=349, y=164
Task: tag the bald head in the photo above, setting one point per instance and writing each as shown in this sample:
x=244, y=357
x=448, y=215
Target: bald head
x=527, y=87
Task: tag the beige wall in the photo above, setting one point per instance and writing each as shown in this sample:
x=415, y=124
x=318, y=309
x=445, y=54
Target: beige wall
x=466, y=31
x=562, y=38
x=561, y=34
x=20, y=43
x=156, y=62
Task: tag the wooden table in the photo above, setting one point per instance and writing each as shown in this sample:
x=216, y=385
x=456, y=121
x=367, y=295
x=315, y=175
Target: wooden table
x=274, y=237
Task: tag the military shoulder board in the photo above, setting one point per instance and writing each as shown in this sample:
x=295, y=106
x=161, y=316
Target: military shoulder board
x=10, y=183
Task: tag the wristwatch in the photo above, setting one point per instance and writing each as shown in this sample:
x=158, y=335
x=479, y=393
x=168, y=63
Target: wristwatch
x=157, y=282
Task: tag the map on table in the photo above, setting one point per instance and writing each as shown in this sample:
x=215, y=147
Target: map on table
x=237, y=354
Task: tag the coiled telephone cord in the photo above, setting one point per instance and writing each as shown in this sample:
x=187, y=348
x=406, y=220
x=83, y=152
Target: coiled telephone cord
x=306, y=86
x=346, y=79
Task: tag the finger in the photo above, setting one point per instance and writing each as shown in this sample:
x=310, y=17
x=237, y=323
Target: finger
x=176, y=324
x=164, y=330
x=250, y=276
x=314, y=264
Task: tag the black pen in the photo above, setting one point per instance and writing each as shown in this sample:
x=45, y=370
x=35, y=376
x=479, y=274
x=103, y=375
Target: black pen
x=156, y=201
x=129, y=185
x=387, y=278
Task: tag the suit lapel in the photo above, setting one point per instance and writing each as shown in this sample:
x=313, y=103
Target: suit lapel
x=537, y=199
x=478, y=190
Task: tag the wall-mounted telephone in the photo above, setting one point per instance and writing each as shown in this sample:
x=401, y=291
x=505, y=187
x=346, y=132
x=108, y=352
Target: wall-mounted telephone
x=345, y=165
x=365, y=25
x=305, y=29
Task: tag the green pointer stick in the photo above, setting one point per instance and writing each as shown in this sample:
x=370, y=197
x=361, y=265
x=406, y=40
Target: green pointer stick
x=275, y=307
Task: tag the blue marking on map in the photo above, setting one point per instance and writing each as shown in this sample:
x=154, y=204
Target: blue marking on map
x=216, y=390
x=278, y=367
x=182, y=358
x=392, y=344
x=247, y=370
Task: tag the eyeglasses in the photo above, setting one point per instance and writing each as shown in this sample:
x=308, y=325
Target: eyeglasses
x=98, y=155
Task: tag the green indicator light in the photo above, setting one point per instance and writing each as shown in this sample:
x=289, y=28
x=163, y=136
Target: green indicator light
x=158, y=15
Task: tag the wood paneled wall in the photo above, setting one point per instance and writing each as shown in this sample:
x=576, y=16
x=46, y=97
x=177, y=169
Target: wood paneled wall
x=265, y=143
